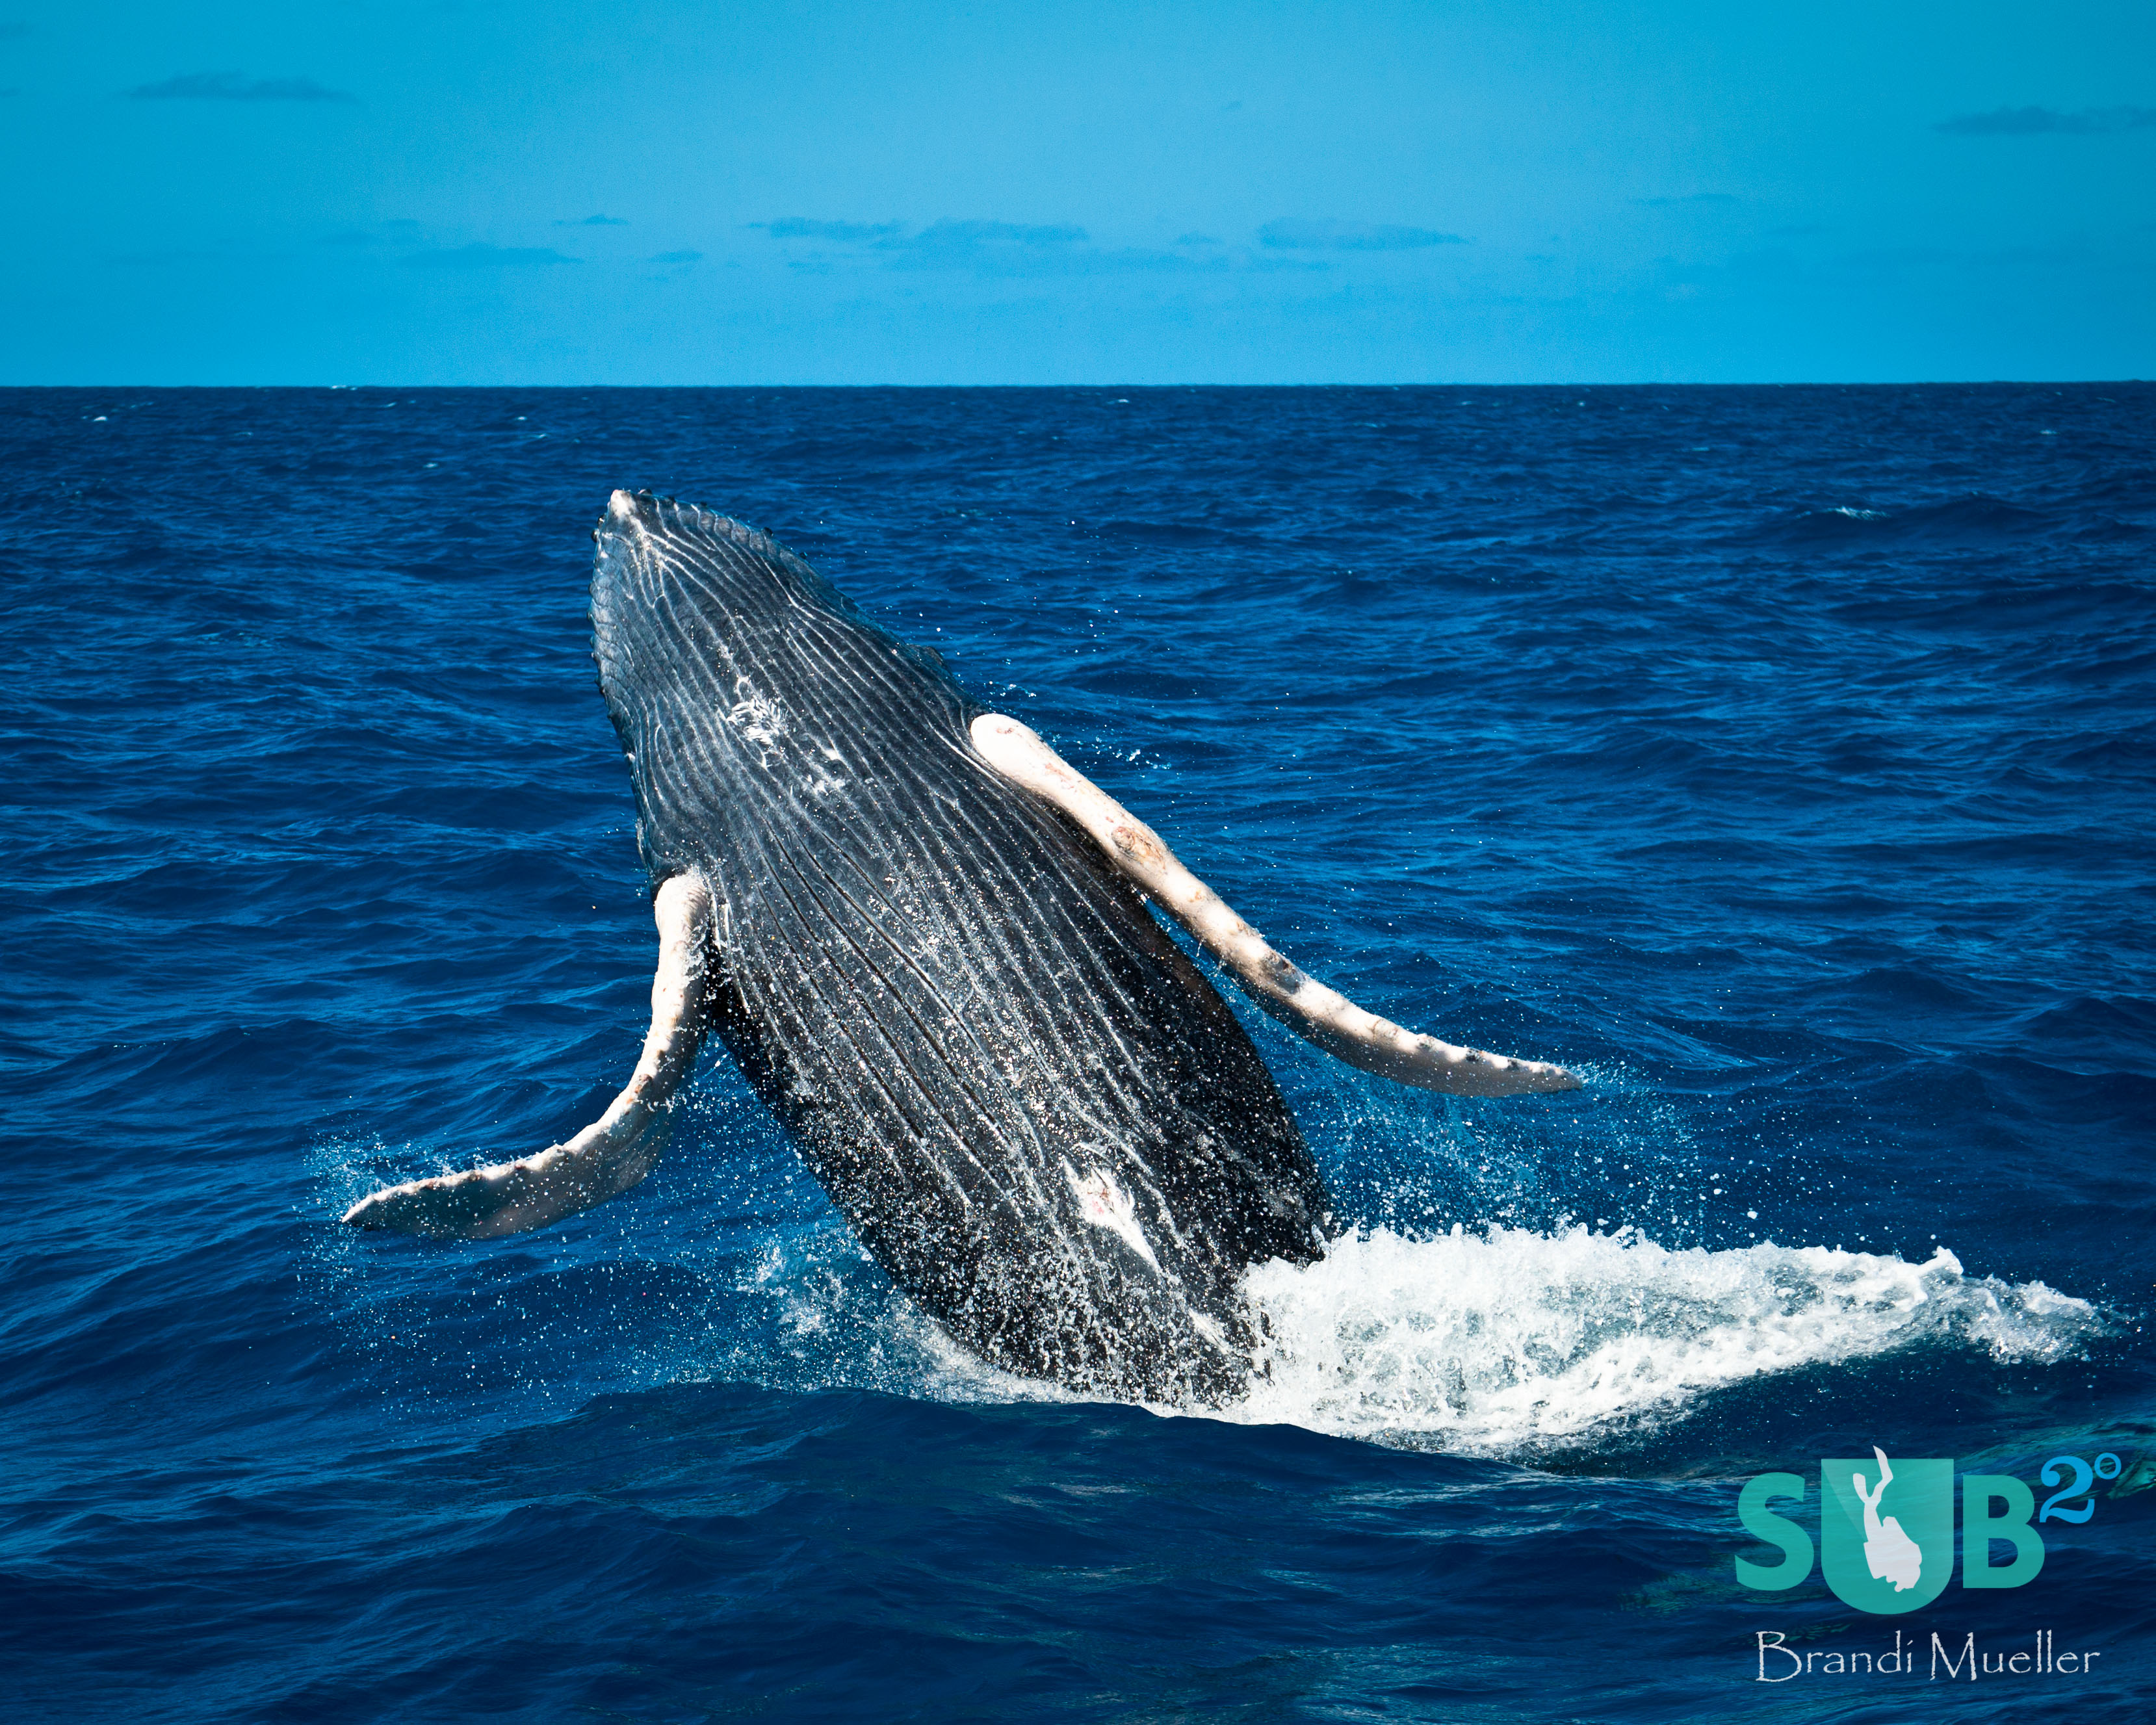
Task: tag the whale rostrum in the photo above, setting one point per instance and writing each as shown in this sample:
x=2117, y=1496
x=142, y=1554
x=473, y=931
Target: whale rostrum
x=1304, y=1005
x=611, y=1154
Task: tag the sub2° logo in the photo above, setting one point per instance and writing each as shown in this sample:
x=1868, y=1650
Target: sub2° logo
x=1886, y=1529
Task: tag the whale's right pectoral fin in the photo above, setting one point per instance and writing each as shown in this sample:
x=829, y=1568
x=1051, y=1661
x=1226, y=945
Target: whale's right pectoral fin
x=608, y=1156
x=1303, y=1004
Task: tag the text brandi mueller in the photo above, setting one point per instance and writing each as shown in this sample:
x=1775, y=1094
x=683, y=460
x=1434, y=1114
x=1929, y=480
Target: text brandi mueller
x=2039, y=1657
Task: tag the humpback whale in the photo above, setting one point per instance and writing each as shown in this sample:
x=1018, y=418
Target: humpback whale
x=926, y=941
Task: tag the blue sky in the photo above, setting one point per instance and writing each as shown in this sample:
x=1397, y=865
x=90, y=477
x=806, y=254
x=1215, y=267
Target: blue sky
x=366, y=191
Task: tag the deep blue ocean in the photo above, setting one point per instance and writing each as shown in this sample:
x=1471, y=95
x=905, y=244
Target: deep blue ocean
x=1784, y=758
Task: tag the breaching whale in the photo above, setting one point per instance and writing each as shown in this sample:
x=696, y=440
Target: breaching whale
x=925, y=940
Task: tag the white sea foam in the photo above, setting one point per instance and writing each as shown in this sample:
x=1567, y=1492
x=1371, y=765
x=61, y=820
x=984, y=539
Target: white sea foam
x=1509, y=1340
x=1499, y=1340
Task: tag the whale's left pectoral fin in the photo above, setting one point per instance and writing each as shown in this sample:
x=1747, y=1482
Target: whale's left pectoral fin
x=1302, y=1002
x=608, y=1156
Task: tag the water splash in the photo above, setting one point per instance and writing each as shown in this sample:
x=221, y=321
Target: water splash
x=1508, y=1340
x=1502, y=1339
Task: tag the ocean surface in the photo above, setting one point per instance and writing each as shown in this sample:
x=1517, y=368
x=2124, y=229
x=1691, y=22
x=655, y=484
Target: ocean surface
x=1784, y=759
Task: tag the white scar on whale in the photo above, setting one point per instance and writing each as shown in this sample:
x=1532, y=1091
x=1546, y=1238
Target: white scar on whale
x=1302, y=1002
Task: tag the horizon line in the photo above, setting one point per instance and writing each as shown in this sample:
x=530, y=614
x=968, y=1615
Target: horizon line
x=1155, y=388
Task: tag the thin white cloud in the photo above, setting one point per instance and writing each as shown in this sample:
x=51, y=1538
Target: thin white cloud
x=948, y=243
x=1001, y=249
x=1297, y=233
x=479, y=256
x=234, y=87
x=847, y=232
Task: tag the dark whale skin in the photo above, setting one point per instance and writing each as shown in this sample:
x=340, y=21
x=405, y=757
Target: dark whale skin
x=957, y=1008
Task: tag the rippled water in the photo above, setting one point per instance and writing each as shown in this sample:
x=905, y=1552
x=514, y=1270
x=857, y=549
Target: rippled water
x=1781, y=756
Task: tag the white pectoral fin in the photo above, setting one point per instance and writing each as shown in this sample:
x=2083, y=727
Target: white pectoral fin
x=608, y=1156
x=1302, y=1002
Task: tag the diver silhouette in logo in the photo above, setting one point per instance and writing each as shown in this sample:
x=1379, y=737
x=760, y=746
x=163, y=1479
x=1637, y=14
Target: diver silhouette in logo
x=1889, y=1553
